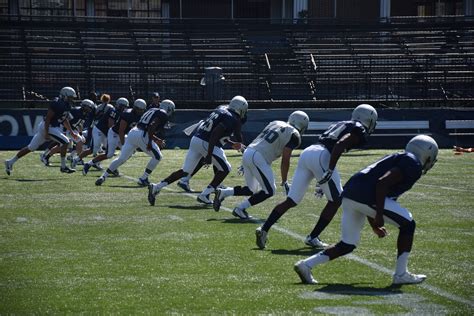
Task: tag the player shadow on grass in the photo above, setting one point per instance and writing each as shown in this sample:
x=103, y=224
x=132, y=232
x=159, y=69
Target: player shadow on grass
x=124, y=186
x=34, y=180
x=306, y=251
x=355, y=289
x=193, y=207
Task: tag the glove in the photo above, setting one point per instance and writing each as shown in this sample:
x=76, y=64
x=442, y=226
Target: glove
x=318, y=192
x=326, y=176
x=207, y=161
x=240, y=170
x=286, y=186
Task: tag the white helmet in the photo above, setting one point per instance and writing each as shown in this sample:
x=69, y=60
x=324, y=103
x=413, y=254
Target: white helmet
x=366, y=115
x=88, y=104
x=168, y=106
x=425, y=149
x=299, y=120
x=239, y=105
x=67, y=92
x=139, y=104
x=122, y=102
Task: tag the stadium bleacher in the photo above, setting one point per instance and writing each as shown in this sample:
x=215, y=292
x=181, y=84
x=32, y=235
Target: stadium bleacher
x=383, y=62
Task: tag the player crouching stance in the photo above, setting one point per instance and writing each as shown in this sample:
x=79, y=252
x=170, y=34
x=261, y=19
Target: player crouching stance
x=50, y=128
x=143, y=136
x=372, y=193
x=277, y=139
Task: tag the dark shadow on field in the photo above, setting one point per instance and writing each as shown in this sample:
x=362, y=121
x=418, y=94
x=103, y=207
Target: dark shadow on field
x=34, y=180
x=306, y=251
x=235, y=220
x=125, y=186
x=355, y=289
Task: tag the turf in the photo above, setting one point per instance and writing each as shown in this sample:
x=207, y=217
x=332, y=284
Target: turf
x=67, y=246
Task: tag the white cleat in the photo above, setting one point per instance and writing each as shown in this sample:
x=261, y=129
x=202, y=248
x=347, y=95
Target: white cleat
x=408, y=278
x=315, y=242
x=241, y=213
x=304, y=272
x=261, y=237
x=204, y=199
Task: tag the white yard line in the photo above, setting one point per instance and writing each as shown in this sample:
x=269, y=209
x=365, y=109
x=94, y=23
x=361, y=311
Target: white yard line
x=353, y=257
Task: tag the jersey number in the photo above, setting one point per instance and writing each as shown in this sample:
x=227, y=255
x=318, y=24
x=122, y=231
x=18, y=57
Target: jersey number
x=334, y=131
x=209, y=122
x=271, y=135
x=145, y=119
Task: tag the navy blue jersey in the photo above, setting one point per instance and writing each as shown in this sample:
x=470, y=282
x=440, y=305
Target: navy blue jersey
x=361, y=186
x=223, y=117
x=102, y=118
x=61, y=111
x=77, y=118
x=335, y=132
x=130, y=117
x=150, y=116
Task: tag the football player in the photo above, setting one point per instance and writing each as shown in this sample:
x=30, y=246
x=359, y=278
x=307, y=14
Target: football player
x=116, y=134
x=319, y=161
x=78, y=116
x=206, y=144
x=277, y=139
x=50, y=128
x=373, y=193
x=105, y=118
x=143, y=136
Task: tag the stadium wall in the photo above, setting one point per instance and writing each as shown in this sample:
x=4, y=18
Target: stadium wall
x=395, y=126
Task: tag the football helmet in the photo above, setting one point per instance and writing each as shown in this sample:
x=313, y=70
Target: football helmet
x=139, y=104
x=366, y=115
x=299, y=120
x=425, y=149
x=239, y=105
x=168, y=106
x=88, y=105
x=67, y=93
x=121, y=103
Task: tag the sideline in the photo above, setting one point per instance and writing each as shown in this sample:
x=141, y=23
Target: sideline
x=353, y=257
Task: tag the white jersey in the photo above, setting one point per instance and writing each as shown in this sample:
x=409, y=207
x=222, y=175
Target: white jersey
x=274, y=138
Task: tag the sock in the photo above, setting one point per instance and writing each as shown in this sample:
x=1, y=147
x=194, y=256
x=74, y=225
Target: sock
x=185, y=179
x=13, y=160
x=90, y=162
x=316, y=259
x=402, y=263
x=244, y=205
x=46, y=153
x=227, y=192
x=320, y=226
x=242, y=191
x=162, y=184
x=106, y=173
x=258, y=197
x=208, y=190
x=146, y=174
x=63, y=162
x=272, y=219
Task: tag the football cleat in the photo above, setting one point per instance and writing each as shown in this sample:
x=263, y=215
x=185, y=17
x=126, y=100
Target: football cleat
x=66, y=169
x=86, y=168
x=76, y=161
x=100, y=180
x=184, y=185
x=151, y=195
x=218, y=200
x=204, y=199
x=304, y=272
x=8, y=167
x=408, y=278
x=261, y=237
x=143, y=182
x=44, y=159
x=315, y=242
x=115, y=173
x=241, y=213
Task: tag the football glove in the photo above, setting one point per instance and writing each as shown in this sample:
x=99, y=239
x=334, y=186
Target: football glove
x=240, y=170
x=326, y=176
x=318, y=192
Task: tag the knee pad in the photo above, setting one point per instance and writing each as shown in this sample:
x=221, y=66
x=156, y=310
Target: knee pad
x=408, y=228
x=345, y=248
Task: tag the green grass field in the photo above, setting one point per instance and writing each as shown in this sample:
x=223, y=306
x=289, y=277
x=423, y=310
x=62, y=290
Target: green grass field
x=67, y=246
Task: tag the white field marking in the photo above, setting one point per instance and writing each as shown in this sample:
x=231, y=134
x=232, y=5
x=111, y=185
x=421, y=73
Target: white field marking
x=426, y=185
x=353, y=257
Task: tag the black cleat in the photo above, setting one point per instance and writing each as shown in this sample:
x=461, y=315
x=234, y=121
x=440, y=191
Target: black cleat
x=66, y=169
x=151, y=196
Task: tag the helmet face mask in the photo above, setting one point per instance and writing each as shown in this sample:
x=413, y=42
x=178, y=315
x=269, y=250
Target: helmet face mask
x=367, y=116
x=299, y=120
x=239, y=105
x=168, y=106
x=88, y=106
x=425, y=149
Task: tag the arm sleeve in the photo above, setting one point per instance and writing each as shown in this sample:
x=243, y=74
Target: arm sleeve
x=294, y=141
